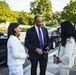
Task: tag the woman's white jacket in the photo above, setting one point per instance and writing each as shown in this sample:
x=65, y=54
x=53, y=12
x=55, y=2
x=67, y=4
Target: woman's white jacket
x=15, y=51
x=67, y=53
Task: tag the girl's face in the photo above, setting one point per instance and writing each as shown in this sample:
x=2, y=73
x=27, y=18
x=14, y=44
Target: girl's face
x=18, y=31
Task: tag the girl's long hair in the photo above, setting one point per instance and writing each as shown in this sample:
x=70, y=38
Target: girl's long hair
x=67, y=31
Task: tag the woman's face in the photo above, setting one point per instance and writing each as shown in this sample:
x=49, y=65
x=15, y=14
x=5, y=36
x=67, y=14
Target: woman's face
x=18, y=31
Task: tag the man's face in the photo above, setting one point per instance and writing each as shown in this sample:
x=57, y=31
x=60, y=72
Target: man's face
x=38, y=21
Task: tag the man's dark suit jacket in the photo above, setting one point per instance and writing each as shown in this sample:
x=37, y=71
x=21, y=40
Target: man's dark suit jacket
x=32, y=42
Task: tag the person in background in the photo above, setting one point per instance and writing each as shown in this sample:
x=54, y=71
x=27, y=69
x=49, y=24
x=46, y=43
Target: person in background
x=15, y=51
x=37, y=42
x=66, y=52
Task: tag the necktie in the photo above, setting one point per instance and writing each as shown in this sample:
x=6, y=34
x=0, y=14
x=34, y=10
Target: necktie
x=40, y=39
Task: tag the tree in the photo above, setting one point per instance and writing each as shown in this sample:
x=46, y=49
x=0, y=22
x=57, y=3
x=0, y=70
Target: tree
x=43, y=8
x=5, y=13
x=30, y=18
x=54, y=23
x=22, y=19
x=57, y=16
x=72, y=1
x=3, y=7
x=40, y=7
x=25, y=18
x=69, y=12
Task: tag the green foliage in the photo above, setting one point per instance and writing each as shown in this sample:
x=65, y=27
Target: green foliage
x=22, y=18
x=43, y=8
x=54, y=23
x=69, y=12
x=30, y=18
x=5, y=13
x=72, y=1
x=13, y=16
x=57, y=16
x=40, y=6
x=25, y=18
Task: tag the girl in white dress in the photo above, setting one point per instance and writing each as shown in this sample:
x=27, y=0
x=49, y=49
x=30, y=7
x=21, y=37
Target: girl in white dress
x=67, y=48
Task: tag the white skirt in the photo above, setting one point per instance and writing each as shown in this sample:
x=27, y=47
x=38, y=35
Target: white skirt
x=64, y=71
x=15, y=70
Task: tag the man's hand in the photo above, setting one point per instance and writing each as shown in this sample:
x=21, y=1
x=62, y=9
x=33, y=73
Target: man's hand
x=47, y=49
x=39, y=51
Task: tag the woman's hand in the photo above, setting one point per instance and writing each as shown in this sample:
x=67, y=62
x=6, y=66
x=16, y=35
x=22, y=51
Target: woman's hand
x=56, y=59
x=27, y=56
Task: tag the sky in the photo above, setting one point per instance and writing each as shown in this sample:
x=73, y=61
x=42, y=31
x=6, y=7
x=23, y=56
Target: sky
x=24, y=5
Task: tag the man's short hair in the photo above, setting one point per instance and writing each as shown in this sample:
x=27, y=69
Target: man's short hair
x=36, y=17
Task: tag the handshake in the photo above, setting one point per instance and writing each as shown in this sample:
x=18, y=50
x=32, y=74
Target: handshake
x=56, y=59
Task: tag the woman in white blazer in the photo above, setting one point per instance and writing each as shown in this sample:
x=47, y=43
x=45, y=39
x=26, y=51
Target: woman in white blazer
x=67, y=48
x=16, y=53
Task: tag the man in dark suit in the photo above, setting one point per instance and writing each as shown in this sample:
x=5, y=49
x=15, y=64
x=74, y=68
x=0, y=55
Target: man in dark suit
x=37, y=42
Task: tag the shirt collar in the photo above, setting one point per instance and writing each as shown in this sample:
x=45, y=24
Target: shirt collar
x=37, y=27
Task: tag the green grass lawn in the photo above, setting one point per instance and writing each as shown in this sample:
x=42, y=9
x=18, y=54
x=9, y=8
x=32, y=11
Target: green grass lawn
x=4, y=29
x=23, y=27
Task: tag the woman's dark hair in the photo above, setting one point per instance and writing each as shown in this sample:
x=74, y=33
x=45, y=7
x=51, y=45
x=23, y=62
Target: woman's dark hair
x=11, y=27
x=67, y=30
